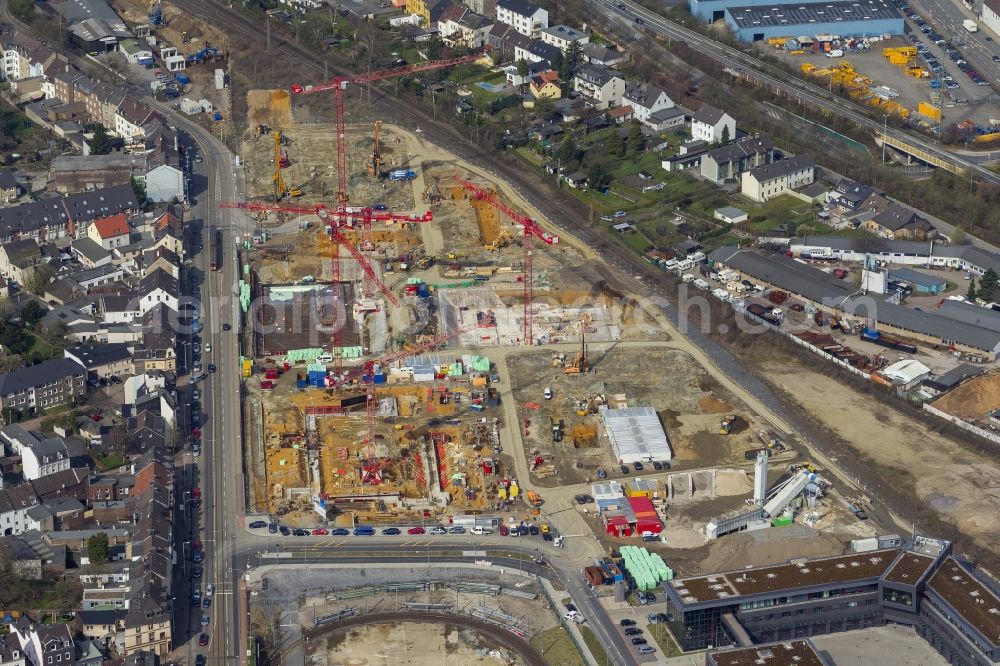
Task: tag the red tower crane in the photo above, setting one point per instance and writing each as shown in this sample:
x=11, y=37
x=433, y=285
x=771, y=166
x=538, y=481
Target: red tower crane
x=335, y=220
x=339, y=84
x=531, y=230
x=371, y=472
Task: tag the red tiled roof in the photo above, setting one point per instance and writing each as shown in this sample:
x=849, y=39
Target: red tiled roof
x=109, y=227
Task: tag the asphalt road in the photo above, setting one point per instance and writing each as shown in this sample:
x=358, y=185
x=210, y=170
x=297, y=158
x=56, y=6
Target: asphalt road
x=947, y=16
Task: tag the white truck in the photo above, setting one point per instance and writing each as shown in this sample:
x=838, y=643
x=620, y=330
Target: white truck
x=970, y=25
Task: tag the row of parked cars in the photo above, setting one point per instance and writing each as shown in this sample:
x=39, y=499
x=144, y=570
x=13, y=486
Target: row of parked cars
x=363, y=530
x=953, y=53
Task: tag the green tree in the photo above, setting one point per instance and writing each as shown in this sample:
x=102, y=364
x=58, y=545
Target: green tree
x=636, y=139
x=32, y=312
x=140, y=190
x=97, y=548
x=724, y=137
x=23, y=10
x=988, y=285
x=574, y=55
x=970, y=295
x=38, y=280
x=100, y=144
x=614, y=145
x=568, y=152
x=598, y=176
x=522, y=68
x=958, y=236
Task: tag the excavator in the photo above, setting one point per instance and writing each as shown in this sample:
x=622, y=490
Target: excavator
x=281, y=189
x=499, y=242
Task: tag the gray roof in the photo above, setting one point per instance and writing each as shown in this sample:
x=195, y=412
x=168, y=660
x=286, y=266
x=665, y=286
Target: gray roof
x=93, y=29
x=51, y=448
x=970, y=314
x=915, y=277
x=729, y=211
x=565, y=32
x=22, y=248
x=7, y=180
x=89, y=249
x=522, y=7
x=781, y=168
x=597, y=74
x=813, y=284
x=92, y=356
x=35, y=375
x=751, y=145
x=636, y=433
x=600, y=52
x=666, y=114
x=84, y=9
x=955, y=376
x=787, y=15
x=897, y=217
x=642, y=94
x=90, y=163
x=84, y=207
x=158, y=279
x=708, y=114
x=848, y=244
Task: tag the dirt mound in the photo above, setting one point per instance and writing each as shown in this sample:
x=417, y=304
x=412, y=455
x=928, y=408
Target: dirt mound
x=974, y=398
x=270, y=107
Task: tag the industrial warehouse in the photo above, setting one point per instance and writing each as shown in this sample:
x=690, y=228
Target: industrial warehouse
x=829, y=294
x=868, y=18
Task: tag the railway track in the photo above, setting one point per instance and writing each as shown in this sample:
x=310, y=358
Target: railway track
x=511, y=641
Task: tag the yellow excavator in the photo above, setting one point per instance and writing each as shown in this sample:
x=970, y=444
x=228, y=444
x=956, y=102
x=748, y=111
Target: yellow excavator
x=499, y=242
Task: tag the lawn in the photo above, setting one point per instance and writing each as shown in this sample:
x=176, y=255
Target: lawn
x=660, y=634
x=596, y=649
x=109, y=462
x=556, y=647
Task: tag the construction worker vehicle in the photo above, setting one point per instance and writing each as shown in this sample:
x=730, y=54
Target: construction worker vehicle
x=534, y=499
x=726, y=426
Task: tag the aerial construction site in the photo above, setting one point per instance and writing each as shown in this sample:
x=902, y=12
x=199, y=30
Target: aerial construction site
x=395, y=376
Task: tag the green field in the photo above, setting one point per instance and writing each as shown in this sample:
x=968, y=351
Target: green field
x=557, y=647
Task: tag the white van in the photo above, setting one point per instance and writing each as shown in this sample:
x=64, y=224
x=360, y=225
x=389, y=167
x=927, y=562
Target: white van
x=478, y=529
x=687, y=277
x=324, y=358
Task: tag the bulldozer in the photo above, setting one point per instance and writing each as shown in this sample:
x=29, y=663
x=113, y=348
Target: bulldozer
x=534, y=499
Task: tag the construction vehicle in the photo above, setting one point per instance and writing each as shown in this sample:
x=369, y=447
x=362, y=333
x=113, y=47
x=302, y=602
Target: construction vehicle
x=534, y=499
x=499, y=242
x=375, y=167
x=281, y=190
x=557, y=433
x=580, y=363
x=726, y=426
x=583, y=407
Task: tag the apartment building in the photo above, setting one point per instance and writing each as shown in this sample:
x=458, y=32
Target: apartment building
x=527, y=18
x=58, y=381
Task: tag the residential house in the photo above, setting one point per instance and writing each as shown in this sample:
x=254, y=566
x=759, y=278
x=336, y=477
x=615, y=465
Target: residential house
x=728, y=162
x=10, y=190
x=711, y=125
x=601, y=86
x=505, y=39
x=162, y=258
x=527, y=18
x=25, y=57
x=67, y=320
x=47, y=456
x=598, y=54
x=766, y=182
x=58, y=381
x=59, y=217
x=482, y=7
x=666, y=118
x=20, y=258
x=900, y=223
x=99, y=625
x=89, y=253
x=44, y=644
x=133, y=118
x=460, y=26
x=158, y=286
x=142, y=658
x=169, y=233
x=537, y=51
x=545, y=85
x=121, y=308
x=561, y=36
x=429, y=10
x=645, y=100
x=11, y=653
x=618, y=115
x=164, y=183
x=103, y=360
x=157, y=350
x=78, y=173
x=110, y=232
x=88, y=654
x=576, y=180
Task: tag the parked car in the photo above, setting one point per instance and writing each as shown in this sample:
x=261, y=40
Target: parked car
x=646, y=649
x=437, y=529
x=624, y=469
x=258, y=524
x=637, y=466
x=638, y=641
x=204, y=619
x=633, y=631
x=533, y=530
x=416, y=530
x=207, y=602
x=203, y=640
x=298, y=531
x=196, y=572
x=284, y=531
x=391, y=531
x=456, y=529
x=320, y=531
x=627, y=622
